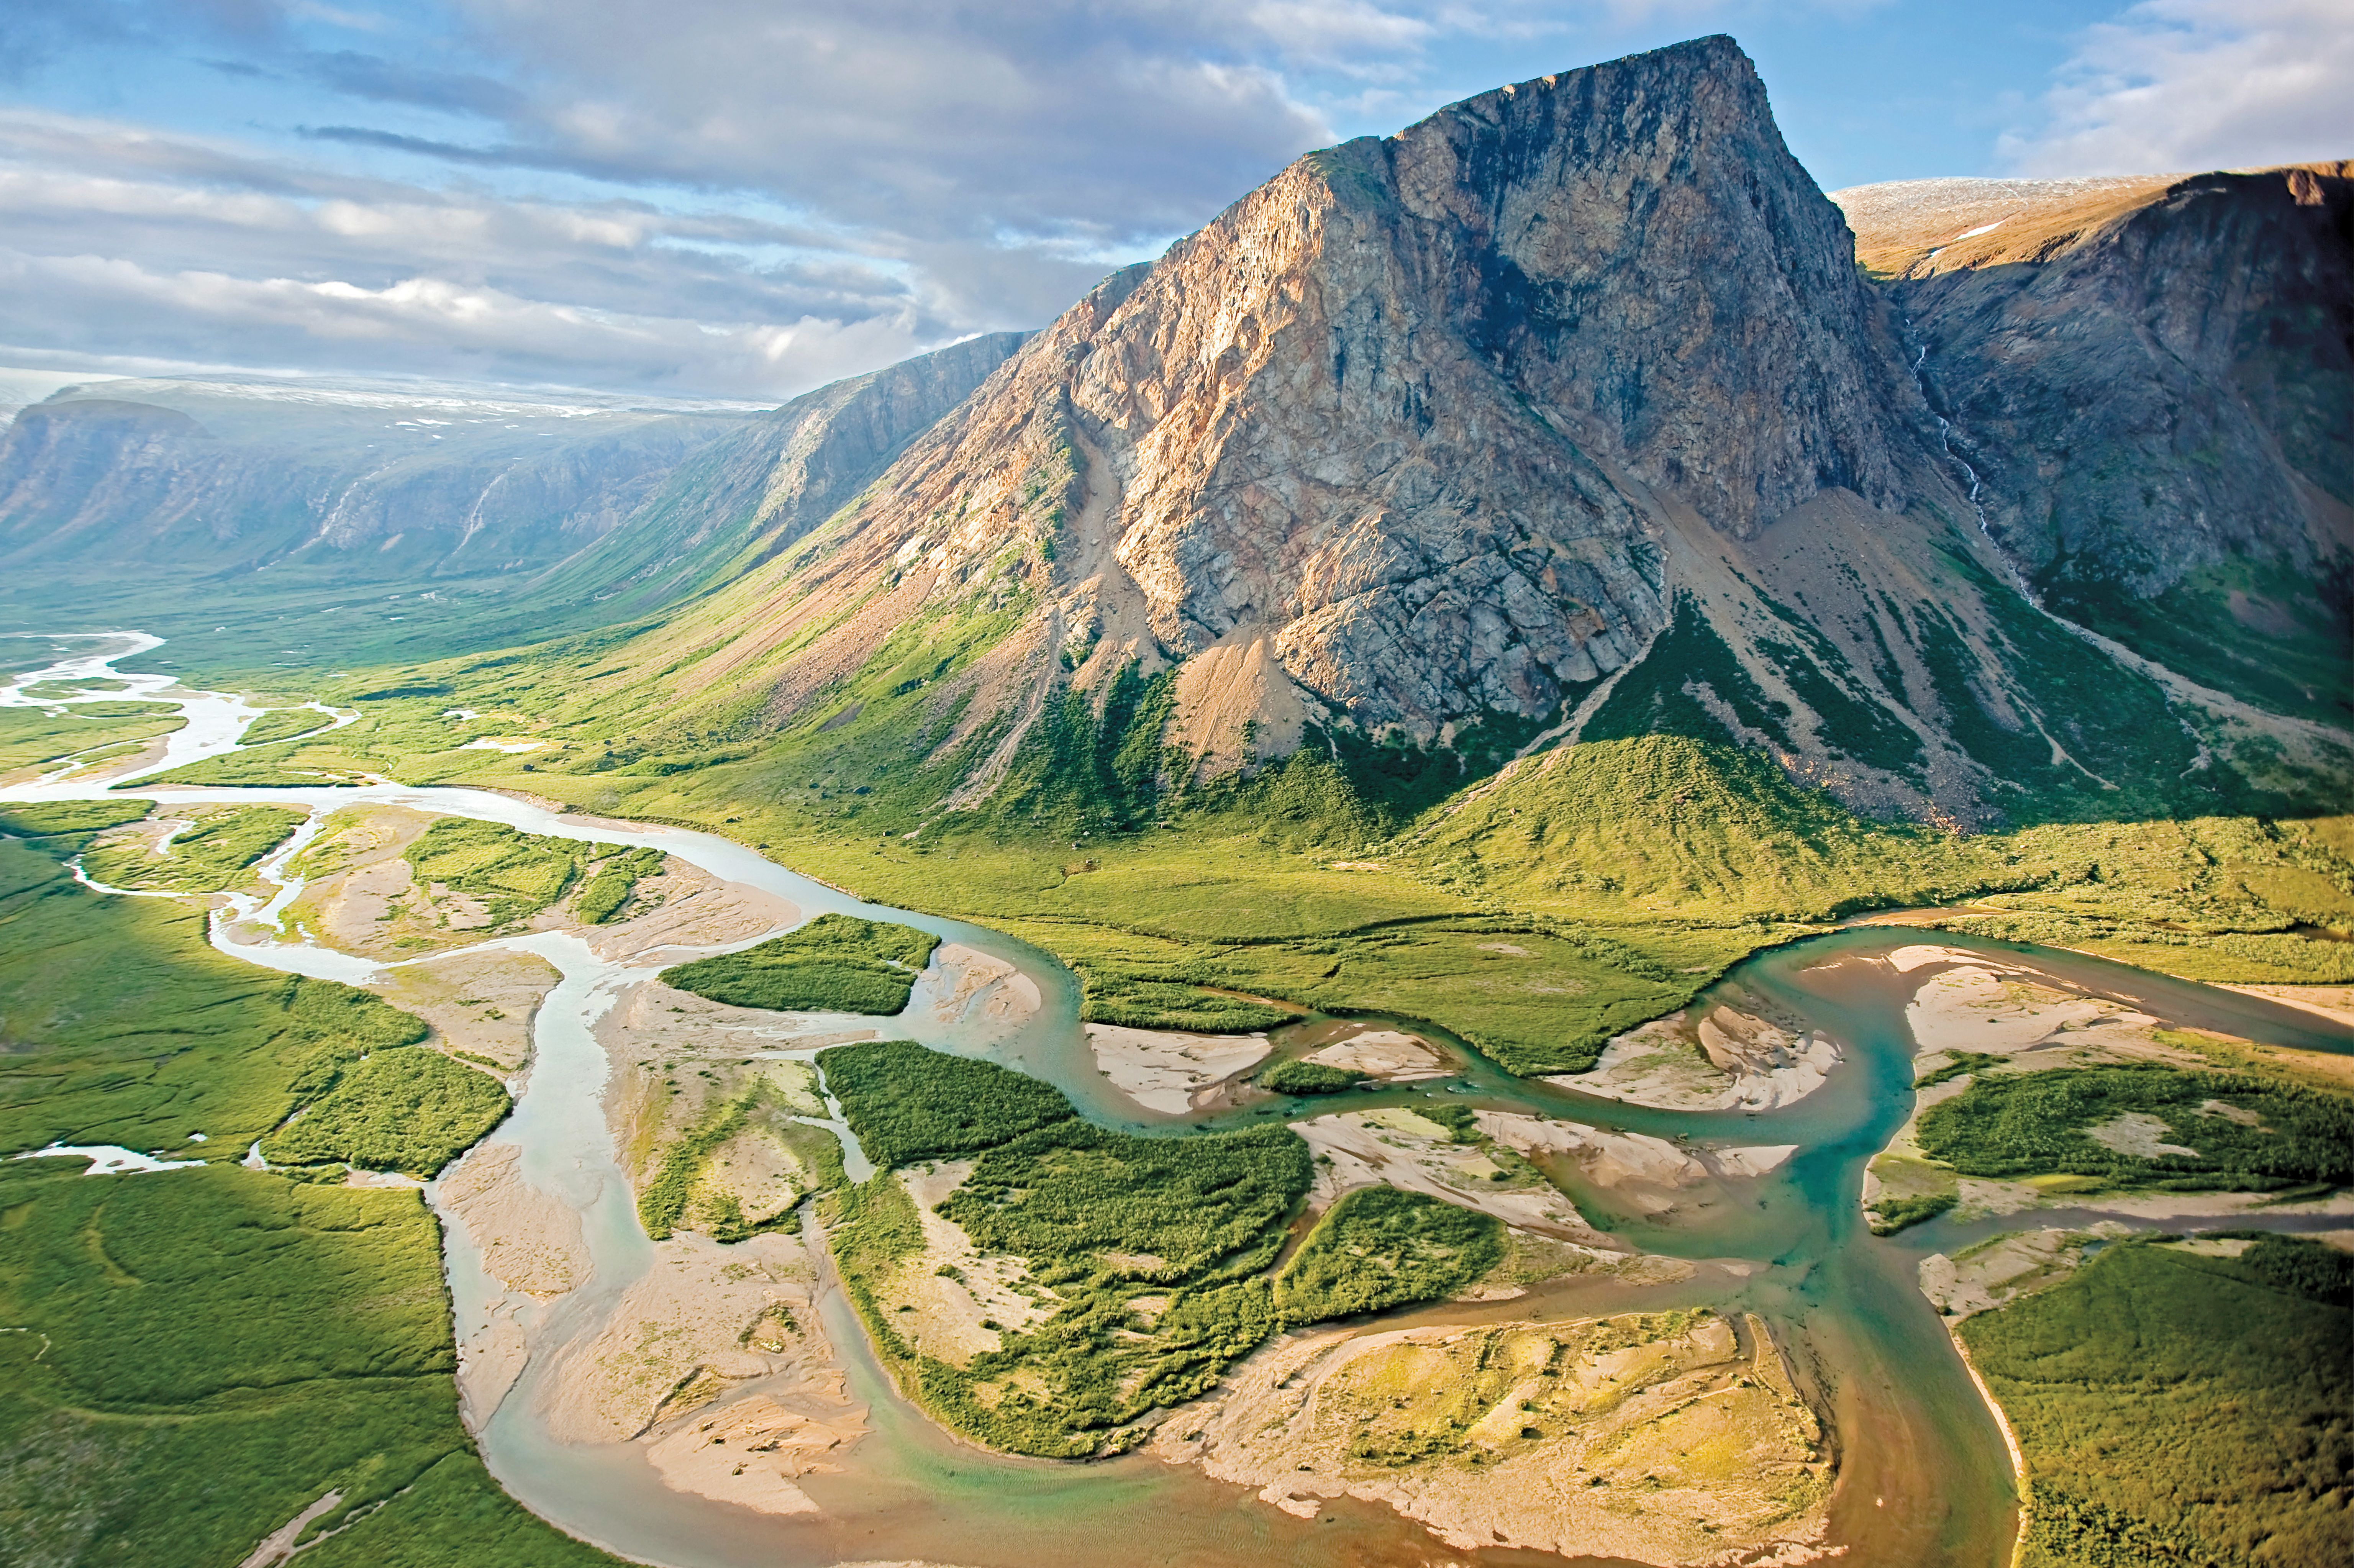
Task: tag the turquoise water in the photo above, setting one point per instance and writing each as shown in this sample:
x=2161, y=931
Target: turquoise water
x=1925, y=1480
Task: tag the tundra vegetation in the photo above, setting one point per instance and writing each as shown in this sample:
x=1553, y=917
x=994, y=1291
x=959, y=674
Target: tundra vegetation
x=1380, y=1248
x=284, y=724
x=412, y=1110
x=1296, y=1077
x=211, y=853
x=136, y=1428
x=689, y=1191
x=2178, y=1407
x=37, y=738
x=1146, y=1260
x=836, y=963
x=1363, y=873
x=907, y=1103
x=2145, y=1126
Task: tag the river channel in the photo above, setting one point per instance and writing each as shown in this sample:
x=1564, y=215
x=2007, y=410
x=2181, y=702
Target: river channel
x=1923, y=1479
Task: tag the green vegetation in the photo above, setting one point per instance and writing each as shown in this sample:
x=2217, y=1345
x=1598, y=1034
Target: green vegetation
x=1309, y=1078
x=2275, y=635
x=909, y=1102
x=32, y=738
x=1901, y=1214
x=196, y=1357
x=1380, y=1248
x=2246, y=1134
x=288, y=765
x=129, y=1029
x=2176, y=1408
x=284, y=724
x=1360, y=875
x=1151, y=1248
x=836, y=963
x=411, y=1110
x=609, y=885
x=2296, y=1267
x=71, y=824
x=1149, y=1245
x=514, y=875
x=683, y=1190
x=211, y=854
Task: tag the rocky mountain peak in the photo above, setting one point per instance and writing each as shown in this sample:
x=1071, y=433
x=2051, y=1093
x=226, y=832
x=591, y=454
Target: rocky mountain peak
x=1411, y=416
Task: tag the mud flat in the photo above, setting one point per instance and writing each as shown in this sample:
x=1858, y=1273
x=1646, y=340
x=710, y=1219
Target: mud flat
x=1385, y=1055
x=962, y=981
x=1167, y=1071
x=1729, y=1054
x=1663, y=1438
x=480, y=1004
x=1999, y=1270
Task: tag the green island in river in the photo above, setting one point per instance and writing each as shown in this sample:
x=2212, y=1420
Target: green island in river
x=1550, y=849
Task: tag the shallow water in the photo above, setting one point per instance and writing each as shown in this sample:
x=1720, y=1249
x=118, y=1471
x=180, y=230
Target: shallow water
x=1923, y=1480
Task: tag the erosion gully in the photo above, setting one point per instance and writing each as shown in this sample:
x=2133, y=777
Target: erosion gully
x=1923, y=1477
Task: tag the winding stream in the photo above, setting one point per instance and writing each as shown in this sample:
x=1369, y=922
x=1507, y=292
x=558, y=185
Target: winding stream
x=1925, y=1478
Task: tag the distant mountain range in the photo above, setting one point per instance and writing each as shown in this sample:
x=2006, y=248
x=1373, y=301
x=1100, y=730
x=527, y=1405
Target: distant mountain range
x=1575, y=411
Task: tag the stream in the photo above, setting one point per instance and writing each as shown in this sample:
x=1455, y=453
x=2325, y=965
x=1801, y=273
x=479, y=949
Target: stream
x=1925, y=1478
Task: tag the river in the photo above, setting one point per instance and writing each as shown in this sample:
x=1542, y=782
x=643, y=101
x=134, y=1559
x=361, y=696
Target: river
x=1925, y=1478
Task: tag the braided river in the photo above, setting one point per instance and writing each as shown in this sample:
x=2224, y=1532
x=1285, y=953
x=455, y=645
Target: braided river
x=1924, y=1476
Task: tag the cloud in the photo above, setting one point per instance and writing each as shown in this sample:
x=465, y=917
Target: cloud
x=737, y=195
x=2190, y=85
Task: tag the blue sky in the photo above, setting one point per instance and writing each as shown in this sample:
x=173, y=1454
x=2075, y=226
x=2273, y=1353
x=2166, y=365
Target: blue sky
x=748, y=197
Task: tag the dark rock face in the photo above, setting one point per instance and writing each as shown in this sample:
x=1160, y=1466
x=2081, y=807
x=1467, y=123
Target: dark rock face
x=2157, y=389
x=2166, y=389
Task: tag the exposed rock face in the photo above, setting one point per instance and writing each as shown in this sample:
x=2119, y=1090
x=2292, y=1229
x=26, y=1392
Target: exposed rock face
x=759, y=489
x=379, y=483
x=1393, y=414
x=2154, y=378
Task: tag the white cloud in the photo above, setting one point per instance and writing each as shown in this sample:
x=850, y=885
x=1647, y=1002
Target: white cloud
x=2189, y=85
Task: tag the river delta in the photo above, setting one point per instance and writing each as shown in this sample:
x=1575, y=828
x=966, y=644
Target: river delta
x=709, y=1405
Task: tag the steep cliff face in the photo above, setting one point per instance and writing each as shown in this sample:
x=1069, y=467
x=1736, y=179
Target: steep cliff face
x=1392, y=414
x=372, y=481
x=757, y=489
x=2153, y=380
x=1430, y=432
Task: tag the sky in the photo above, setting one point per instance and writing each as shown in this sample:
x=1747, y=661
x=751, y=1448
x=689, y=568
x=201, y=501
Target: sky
x=746, y=198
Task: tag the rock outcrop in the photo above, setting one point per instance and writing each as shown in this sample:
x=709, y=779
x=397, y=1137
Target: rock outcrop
x=2152, y=379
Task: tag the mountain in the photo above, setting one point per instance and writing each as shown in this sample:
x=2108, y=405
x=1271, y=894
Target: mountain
x=1566, y=413
x=371, y=482
x=500, y=518
x=2151, y=380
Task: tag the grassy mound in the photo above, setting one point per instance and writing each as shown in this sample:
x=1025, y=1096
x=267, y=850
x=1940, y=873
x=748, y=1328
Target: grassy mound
x=283, y=724
x=514, y=874
x=212, y=853
x=2176, y=1408
x=1382, y=1248
x=2243, y=1133
x=834, y=964
x=609, y=885
x=905, y=1102
x=410, y=1111
x=1309, y=1078
x=1663, y=823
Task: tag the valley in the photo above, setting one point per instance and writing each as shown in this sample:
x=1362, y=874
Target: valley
x=1527, y=858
